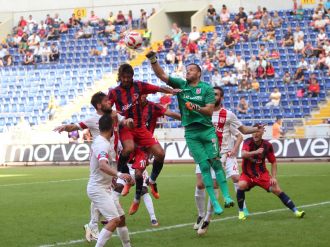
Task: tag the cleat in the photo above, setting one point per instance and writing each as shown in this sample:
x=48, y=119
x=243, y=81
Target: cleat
x=300, y=214
x=95, y=234
x=91, y=234
x=246, y=212
x=241, y=215
x=153, y=189
x=198, y=223
x=126, y=189
x=134, y=208
x=154, y=223
x=217, y=208
x=203, y=228
x=229, y=203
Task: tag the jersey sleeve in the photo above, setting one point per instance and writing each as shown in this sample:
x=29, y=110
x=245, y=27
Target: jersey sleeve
x=234, y=122
x=84, y=124
x=270, y=153
x=102, y=152
x=246, y=146
x=159, y=110
x=147, y=88
x=176, y=82
x=209, y=96
x=111, y=96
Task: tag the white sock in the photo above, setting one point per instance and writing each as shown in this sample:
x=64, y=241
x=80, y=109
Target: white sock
x=104, y=236
x=236, y=188
x=210, y=207
x=149, y=205
x=124, y=236
x=200, y=201
x=95, y=216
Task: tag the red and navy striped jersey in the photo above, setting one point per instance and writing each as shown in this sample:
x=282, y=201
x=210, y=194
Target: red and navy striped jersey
x=151, y=112
x=256, y=165
x=128, y=100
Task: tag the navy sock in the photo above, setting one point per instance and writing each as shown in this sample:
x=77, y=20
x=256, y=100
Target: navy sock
x=157, y=166
x=122, y=164
x=240, y=199
x=287, y=201
x=138, y=188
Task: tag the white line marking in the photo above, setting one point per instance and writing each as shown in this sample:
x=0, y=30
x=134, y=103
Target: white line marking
x=45, y=182
x=188, y=224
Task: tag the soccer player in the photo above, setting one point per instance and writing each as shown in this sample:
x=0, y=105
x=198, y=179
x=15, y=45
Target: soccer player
x=102, y=171
x=254, y=173
x=228, y=129
x=196, y=103
x=127, y=99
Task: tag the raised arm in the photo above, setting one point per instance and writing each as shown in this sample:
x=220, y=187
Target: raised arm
x=250, y=130
x=172, y=114
x=66, y=127
x=160, y=73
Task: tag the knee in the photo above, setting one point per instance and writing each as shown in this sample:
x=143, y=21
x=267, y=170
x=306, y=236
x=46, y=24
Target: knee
x=122, y=221
x=144, y=190
x=200, y=185
x=160, y=155
x=235, y=179
x=115, y=221
x=119, y=188
x=242, y=185
x=276, y=190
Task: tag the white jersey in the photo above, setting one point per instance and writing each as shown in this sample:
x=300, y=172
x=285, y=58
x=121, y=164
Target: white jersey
x=92, y=124
x=100, y=150
x=226, y=125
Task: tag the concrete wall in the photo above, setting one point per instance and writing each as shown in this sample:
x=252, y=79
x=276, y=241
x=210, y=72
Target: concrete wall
x=198, y=18
x=160, y=25
x=6, y=24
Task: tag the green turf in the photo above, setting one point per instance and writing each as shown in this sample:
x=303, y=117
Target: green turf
x=45, y=205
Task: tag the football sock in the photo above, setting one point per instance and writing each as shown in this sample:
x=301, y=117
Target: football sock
x=124, y=236
x=240, y=199
x=200, y=201
x=138, y=188
x=149, y=205
x=104, y=236
x=95, y=217
x=157, y=166
x=207, y=180
x=122, y=163
x=210, y=208
x=220, y=177
x=287, y=201
x=236, y=188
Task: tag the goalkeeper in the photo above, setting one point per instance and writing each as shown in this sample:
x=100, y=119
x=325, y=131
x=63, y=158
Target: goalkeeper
x=196, y=103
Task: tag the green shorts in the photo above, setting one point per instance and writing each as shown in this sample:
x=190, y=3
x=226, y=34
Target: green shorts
x=202, y=143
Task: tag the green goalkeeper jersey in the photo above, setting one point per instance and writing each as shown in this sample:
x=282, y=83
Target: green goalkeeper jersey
x=200, y=95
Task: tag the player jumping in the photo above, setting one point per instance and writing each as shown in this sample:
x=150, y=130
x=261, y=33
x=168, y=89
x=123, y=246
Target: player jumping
x=254, y=173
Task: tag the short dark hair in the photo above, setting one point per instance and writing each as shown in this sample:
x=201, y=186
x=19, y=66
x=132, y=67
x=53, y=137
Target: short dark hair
x=105, y=123
x=198, y=67
x=97, y=99
x=125, y=68
x=222, y=93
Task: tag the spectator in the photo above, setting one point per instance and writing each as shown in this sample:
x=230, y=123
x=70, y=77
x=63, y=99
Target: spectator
x=224, y=15
x=321, y=62
x=300, y=13
x=221, y=57
x=274, y=55
x=287, y=77
x=146, y=37
x=241, y=14
x=33, y=41
x=168, y=43
x=275, y=98
x=226, y=79
x=276, y=20
x=73, y=21
x=193, y=48
x=194, y=35
x=208, y=65
x=97, y=51
x=298, y=33
x=111, y=18
x=211, y=16
x=319, y=23
x=109, y=29
x=303, y=64
x=253, y=64
x=254, y=34
x=93, y=20
x=263, y=52
x=270, y=71
x=153, y=11
x=63, y=28
x=37, y=53
x=53, y=34
x=216, y=79
x=240, y=64
x=326, y=47
x=277, y=130
x=49, y=21
x=45, y=53
x=5, y=57
x=28, y=58
x=229, y=42
x=260, y=72
x=313, y=88
x=265, y=19
x=31, y=23
x=299, y=76
x=170, y=57
x=244, y=86
x=255, y=85
x=143, y=20
x=120, y=20
x=23, y=45
x=321, y=38
x=9, y=41
x=100, y=29
x=55, y=54
x=327, y=60
x=299, y=45
x=184, y=40
x=130, y=19
x=288, y=38
x=22, y=22
x=308, y=50
x=57, y=18
x=230, y=60
x=327, y=5
x=242, y=106
x=232, y=79
x=270, y=34
x=84, y=33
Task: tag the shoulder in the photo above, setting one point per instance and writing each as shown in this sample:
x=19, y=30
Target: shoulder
x=248, y=141
x=267, y=144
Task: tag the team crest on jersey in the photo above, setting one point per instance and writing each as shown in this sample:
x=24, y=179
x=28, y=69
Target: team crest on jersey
x=198, y=91
x=102, y=154
x=213, y=140
x=136, y=96
x=222, y=119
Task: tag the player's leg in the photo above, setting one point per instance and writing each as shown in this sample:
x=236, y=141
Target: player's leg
x=199, y=198
x=149, y=205
x=92, y=228
x=107, y=232
x=127, y=140
x=138, y=192
x=286, y=200
x=244, y=184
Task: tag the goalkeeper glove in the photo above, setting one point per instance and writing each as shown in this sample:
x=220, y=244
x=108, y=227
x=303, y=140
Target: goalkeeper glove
x=192, y=107
x=151, y=55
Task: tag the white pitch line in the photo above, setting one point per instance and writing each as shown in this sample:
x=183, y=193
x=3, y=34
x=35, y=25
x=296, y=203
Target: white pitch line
x=44, y=182
x=188, y=224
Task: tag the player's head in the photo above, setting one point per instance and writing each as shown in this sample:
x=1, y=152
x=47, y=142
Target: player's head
x=101, y=102
x=144, y=98
x=193, y=72
x=218, y=94
x=106, y=123
x=257, y=136
x=125, y=74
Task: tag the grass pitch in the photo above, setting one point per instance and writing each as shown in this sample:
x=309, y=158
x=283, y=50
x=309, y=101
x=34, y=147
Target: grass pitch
x=47, y=206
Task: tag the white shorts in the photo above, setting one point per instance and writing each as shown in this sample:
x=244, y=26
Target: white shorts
x=105, y=202
x=198, y=171
x=230, y=165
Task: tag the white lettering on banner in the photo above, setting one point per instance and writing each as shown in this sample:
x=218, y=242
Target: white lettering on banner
x=22, y=149
x=323, y=147
x=45, y=156
x=67, y=155
x=280, y=146
x=302, y=152
x=81, y=153
x=52, y=151
x=286, y=146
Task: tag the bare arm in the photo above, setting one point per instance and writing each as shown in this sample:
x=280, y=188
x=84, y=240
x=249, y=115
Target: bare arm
x=238, y=142
x=206, y=110
x=274, y=170
x=104, y=167
x=250, y=130
x=246, y=154
x=160, y=73
x=66, y=127
x=172, y=114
